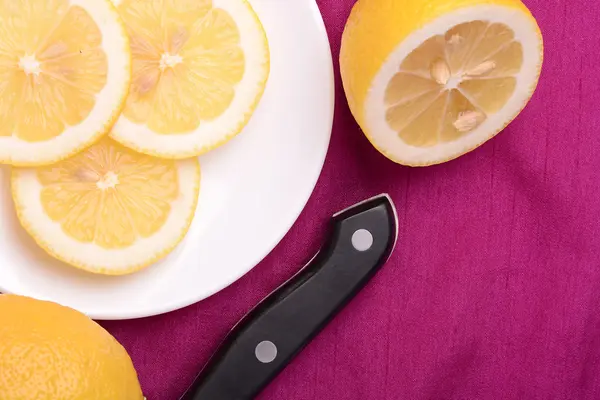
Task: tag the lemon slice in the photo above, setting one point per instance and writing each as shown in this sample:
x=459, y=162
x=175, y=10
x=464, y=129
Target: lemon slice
x=108, y=210
x=199, y=69
x=429, y=80
x=65, y=69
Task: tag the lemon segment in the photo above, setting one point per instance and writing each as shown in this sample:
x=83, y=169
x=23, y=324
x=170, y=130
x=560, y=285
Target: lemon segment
x=431, y=80
x=108, y=210
x=64, y=76
x=199, y=70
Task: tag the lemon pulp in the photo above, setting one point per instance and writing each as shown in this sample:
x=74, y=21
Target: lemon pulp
x=186, y=62
x=448, y=86
x=109, y=195
x=51, y=72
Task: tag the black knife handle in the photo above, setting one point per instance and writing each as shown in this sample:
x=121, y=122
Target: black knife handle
x=280, y=326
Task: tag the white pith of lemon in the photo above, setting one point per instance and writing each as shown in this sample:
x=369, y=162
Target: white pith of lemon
x=65, y=69
x=450, y=79
x=199, y=70
x=108, y=210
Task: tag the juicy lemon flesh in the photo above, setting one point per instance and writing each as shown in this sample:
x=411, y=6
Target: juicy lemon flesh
x=187, y=61
x=50, y=71
x=450, y=84
x=109, y=195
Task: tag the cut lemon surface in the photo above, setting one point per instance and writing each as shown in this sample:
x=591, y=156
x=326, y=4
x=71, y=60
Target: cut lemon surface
x=65, y=69
x=429, y=80
x=199, y=70
x=108, y=210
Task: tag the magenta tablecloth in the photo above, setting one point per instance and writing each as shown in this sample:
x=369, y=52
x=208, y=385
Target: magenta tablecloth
x=494, y=290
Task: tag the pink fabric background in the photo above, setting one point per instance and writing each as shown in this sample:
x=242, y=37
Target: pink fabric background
x=494, y=290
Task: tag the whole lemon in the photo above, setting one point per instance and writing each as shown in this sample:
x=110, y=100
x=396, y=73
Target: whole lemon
x=51, y=352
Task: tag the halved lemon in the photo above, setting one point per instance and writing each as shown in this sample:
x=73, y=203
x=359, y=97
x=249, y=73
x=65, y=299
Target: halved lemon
x=429, y=80
x=65, y=68
x=108, y=210
x=199, y=70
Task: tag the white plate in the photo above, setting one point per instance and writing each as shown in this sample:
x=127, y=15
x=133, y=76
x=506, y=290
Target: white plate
x=253, y=189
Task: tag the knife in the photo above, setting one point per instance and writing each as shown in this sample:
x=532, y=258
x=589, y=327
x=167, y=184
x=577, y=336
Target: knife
x=264, y=342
